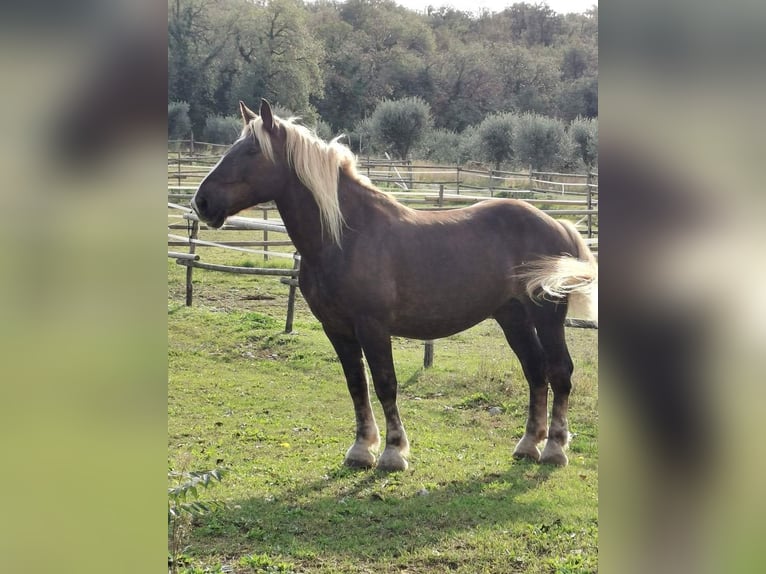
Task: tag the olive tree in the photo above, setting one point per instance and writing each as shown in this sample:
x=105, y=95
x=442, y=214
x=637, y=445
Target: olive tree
x=496, y=138
x=584, y=134
x=400, y=124
x=540, y=141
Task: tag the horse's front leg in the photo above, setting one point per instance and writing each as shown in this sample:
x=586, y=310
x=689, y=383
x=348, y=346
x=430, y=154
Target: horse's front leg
x=362, y=452
x=376, y=343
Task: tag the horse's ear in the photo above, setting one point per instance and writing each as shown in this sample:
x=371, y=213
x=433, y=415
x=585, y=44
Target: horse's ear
x=267, y=116
x=247, y=113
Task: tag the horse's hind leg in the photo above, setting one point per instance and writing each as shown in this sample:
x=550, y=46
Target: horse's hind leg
x=361, y=454
x=520, y=334
x=549, y=321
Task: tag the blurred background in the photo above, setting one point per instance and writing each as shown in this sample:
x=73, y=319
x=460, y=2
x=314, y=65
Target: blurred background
x=83, y=406
x=682, y=329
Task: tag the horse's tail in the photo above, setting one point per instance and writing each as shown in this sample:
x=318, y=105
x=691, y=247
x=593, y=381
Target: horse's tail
x=574, y=277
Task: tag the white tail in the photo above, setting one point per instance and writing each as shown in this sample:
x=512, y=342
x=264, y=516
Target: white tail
x=565, y=276
x=552, y=278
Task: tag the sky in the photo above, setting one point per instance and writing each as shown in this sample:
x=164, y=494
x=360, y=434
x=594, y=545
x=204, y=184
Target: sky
x=560, y=6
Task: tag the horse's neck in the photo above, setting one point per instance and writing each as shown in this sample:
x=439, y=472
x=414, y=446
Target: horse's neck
x=300, y=215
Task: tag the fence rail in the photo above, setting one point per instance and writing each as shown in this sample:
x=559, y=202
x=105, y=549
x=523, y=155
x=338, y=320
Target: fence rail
x=421, y=186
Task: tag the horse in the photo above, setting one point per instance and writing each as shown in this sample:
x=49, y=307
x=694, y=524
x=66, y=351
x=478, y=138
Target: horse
x=372, y=268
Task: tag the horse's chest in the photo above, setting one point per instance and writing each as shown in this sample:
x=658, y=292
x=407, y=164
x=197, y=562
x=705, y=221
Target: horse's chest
x=324, y=299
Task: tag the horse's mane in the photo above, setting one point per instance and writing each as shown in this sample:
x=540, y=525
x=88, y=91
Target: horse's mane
x=317, y=164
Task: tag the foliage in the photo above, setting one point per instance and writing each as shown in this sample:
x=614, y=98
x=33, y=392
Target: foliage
x=540, y=141
x=279, y=56
x=222, y=129
x=400, y=124
x=441, y=146
x=496, y=138
x=179, y=123
x=578, y=98
x=323, y=130
x=339, y=60
x=360, y=138
x=584, y=134
x=183, y=503
x=220, y=52
x=469, y=144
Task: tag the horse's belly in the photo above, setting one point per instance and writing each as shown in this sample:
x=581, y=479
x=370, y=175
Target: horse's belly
x=435, y=322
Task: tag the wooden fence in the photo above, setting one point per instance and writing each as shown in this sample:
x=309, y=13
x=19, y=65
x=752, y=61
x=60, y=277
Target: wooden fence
x=430, y=187
x=424, y=186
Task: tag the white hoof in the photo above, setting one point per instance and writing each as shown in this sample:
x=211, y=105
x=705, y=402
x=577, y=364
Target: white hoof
x=361, y=455
x=392, y=461
x=553, y=453
x=527, y=448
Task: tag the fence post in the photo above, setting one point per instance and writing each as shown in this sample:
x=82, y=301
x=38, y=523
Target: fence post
x=457, y=181
x=291, y=296
x=441, y=195
x=178, y=171
x=428, y=354
x=590, y=203
x=530, y=178
x=491, y=182
x=189, y=269
x=265, y=235
x=191, y=143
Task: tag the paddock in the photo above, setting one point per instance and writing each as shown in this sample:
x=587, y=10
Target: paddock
x=244, y=395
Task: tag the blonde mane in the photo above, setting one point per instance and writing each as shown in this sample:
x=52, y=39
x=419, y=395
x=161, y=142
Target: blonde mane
x=317, y=164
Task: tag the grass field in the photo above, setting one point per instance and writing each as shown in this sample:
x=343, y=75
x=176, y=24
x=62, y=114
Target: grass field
x=274, y=410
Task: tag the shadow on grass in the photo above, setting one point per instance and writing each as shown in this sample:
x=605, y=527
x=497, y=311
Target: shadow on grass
x=358, y=514
x=413, y=378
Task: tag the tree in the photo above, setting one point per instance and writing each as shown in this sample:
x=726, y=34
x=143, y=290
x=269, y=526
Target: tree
x=496, y=138
x=222, y=129
x=534, y=23
x=373, y=51
x=540, y=141
x=584, y=134
x=578, y=98
x=440, y=145
x=574, y=63
x=338, y=60
x=179, y=124
x=279, y=57
x=465, y=86
x=198, y=34
x=400, y=124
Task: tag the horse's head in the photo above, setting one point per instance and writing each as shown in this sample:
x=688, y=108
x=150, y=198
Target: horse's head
x=245, y=175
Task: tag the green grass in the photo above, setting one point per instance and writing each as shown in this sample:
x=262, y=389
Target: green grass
x=274, y=409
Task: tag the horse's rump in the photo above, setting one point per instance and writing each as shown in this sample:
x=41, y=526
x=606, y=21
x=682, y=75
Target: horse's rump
x=574, y=277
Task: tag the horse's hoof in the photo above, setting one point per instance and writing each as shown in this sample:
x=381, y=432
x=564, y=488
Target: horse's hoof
x=392, y=461
x=360, y=464
x=526, y=448
x=554, y=454
x=359, y=457
x=533, y=456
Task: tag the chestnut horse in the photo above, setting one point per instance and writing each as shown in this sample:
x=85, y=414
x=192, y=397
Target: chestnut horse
x=372, y=268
